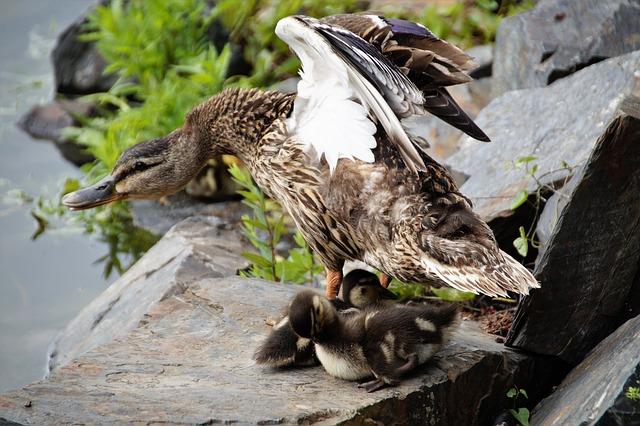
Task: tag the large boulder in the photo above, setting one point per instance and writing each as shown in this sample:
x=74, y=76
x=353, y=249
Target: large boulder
x=588, y=268
x=557, y=123
x=78, y=67
x=596, y=392
x=172, y=342
x=559, y=37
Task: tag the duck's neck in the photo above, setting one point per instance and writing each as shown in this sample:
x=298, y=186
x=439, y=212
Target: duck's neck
x=234, y=121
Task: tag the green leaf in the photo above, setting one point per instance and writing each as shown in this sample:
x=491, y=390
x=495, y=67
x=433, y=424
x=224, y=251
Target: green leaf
x=512, y=393
x=524, y=393
x=452, y=295
x=522, y=416
x=520, y=198
x=522, y=242
x=257, y=259
x=525, y=160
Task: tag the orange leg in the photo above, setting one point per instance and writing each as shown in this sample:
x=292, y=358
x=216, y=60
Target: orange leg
x=334, y=280
x=385, y=280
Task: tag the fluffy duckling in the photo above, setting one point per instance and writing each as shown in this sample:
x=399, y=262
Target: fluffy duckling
x=284, y=348
x=384, y=343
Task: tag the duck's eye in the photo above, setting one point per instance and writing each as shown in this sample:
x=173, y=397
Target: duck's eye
x=140, y=165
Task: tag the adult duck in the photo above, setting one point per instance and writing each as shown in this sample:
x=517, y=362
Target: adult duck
x=337, y=157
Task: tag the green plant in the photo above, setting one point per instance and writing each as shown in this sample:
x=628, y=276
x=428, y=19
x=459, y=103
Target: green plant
x=448, y=294
x=265, y=230
x=406, y=290
x=252, y=23
x=527, y=164
x=633, y=392
x=463, y=23
x=520, y=414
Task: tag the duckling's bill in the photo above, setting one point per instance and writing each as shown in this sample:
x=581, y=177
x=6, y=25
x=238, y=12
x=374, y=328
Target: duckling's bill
x=102, y=192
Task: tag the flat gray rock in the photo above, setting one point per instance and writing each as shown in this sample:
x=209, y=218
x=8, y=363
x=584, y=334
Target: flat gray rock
x=589, y=266
x=559, y=37
x=158, y=218
x=195, y=248
x=557, y=123
x=189, y=360
x=172, y=342
x=594, y=392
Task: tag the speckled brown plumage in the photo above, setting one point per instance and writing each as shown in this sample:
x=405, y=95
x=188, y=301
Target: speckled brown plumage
x=413, y=225
x=380, y=213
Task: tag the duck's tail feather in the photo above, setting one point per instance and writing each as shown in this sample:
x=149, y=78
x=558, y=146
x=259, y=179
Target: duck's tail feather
x=490, y=274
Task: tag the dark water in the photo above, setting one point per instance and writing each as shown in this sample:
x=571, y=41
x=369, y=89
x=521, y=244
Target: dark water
x=43, y=283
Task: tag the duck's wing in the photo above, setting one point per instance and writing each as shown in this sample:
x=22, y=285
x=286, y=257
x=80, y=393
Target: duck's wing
x=345, y=84
x=429, y=62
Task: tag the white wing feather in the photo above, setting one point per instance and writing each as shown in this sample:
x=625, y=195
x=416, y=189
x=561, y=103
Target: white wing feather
x=331, y=111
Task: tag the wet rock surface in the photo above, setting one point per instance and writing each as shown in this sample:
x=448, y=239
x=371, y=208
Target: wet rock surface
x=559, y=37
x=557, y=123
x=588, y=268
x=594, y=391
x=172, y=342
x=48, y=121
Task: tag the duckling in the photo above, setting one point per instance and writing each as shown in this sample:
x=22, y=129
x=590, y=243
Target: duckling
x=384, y=343
x=336, y=156
x=284, y=348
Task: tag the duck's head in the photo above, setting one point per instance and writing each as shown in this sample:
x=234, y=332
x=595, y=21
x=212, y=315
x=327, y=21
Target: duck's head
x=362, y=288
x=148, y=170
x=312, y=315
x=229, y=123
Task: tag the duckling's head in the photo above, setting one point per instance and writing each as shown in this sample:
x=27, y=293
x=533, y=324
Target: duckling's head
x=311, y=315
x=148, y=170
x=362, y=288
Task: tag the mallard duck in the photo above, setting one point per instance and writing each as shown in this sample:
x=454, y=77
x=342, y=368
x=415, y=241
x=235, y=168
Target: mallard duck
x=384, y=343
x=284, y=348
x=336, y=156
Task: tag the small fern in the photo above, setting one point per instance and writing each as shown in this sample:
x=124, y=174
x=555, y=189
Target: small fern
x=265, y=229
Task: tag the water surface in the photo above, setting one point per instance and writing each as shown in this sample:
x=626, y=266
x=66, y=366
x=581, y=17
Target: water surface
x=43, y=283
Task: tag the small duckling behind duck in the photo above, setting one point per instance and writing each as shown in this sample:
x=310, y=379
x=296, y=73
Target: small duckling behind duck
x=284, y=348
x=385, y=343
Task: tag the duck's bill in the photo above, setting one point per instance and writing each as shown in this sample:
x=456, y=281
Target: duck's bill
x=103, y=192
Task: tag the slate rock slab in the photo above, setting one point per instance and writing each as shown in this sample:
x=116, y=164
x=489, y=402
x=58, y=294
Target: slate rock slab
x=196, y=248
x=559, y=37
x=189, y=361
x=557, y=123
x=158, y=218
x=594, y=392
x=172, y=342
x=588, y=269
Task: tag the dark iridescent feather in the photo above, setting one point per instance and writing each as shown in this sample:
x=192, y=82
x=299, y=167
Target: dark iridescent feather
x=429, y=62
